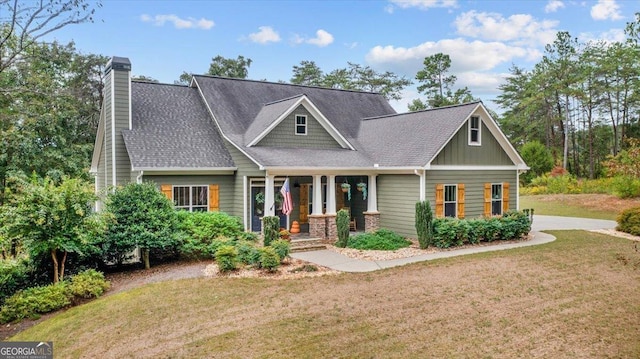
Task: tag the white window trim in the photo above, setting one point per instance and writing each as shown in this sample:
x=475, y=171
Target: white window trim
x=295, y=129
x=444, y=200
x=479, y=142
x=495, y=199
x=190, y=206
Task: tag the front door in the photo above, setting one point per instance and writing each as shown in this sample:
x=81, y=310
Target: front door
x=257, y=205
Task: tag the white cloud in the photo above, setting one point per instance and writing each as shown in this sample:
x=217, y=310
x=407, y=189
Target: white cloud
x=606, y=10
x=518, y=28
x=265, y=35
x=178, y=23
x=421, y=4
x=322, y=39
x=553, y=6
x=610, y=36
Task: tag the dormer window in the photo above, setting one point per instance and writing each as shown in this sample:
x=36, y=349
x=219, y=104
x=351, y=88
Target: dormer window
x=301, y=125
x=475, y=131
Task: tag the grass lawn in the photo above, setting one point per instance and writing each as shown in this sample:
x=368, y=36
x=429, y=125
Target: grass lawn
x=598, y=206
x=577, y=297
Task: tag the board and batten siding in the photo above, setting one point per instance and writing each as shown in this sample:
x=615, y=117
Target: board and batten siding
x=474, y=182
x=397, y=197
x=225, y=183
x=245, y=167
x=107, y=149
x=121, y=112
x=283, y=135
x=459, y=152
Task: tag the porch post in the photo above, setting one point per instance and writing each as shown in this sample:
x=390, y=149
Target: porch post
x=330, y=216
x=269, y=205
x=372, y=216
x=317, y=225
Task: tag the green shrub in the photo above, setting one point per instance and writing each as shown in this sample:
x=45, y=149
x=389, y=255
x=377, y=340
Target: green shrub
x=248, y=253
x=424, y=223
x=248, y=236
x=206, y=226
x=88, y=284
x=451, y=232
x=269, y=259
x=626, y=187
x=629, y=221
x=271, y=229
x=32, y=302
x=382, y=239
x=227, y=258
x=342, y=224
x=281, y=247
x=14, y=275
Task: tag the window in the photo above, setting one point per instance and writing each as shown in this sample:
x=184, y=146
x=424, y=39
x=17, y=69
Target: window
x=496, y=199
x=191, y=198
x=301, y=125
x=450, y=201
x=474, y=130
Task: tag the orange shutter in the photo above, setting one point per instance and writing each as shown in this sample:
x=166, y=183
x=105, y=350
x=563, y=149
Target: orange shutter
x=487, y=199
x=439, y=200
x=214, y=197
x=505, y=197
x=461, y=200
x=167, y=190
x=339, y=197
x=304, y=203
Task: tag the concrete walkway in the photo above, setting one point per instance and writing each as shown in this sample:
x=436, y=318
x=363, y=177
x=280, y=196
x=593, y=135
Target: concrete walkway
x=343, y=263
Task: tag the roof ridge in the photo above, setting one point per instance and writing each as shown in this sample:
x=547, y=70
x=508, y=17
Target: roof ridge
x=289, y=84
x=158, y=83
x=421, y=111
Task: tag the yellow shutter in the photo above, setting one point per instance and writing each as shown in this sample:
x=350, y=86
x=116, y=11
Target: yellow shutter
x=505, y=197
x=167, y=190
x=439, y=200
x=214, y=197
x=304, y=203
x=339, y=197
x=461, y=200
x=487, y=199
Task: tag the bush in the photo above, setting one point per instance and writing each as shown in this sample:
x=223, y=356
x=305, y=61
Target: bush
x=14, y=276
x=32, y=302
x=248, y=236
x=206, y=226
x=626, y=187
x=424, y=224
x=450, y=232
x=227, y=258
x=271, y=229
x=629, y=221
x=282, y=248
x=269, y=259
x=248, y=253
x=538, y=157
x=382, y=239
x=342, y=224
x=88, y=284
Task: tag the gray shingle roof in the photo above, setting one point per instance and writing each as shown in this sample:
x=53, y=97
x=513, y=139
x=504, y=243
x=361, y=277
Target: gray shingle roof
x=172, y=129
x=267, y=115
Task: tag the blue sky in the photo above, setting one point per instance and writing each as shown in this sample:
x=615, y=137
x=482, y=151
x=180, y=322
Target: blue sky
x=482, y=37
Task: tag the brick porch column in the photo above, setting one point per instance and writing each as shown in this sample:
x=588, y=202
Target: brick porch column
x=332, y=228
x=371, y=221
x=317, y=226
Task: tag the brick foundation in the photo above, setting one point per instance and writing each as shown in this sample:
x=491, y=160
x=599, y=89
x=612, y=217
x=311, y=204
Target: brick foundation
x=332, y=228
x=371, y=221
x=317, y=226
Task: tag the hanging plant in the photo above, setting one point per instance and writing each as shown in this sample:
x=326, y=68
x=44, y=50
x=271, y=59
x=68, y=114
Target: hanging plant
x=347, y=189
x=362, y=187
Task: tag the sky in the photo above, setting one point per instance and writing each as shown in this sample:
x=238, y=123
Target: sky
x=483, y=38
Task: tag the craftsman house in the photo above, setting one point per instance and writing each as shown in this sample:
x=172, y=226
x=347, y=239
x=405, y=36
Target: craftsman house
x=223, y=144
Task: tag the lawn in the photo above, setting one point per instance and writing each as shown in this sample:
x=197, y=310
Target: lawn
x=576, y=297
x=598, y=206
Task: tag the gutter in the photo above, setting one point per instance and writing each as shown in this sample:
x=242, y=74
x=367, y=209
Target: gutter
x=423, y=184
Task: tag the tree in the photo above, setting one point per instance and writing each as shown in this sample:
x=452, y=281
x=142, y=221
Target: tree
x=144, y=78
x=25, y=22
x=538, y=158
x=142, y=217
x=437, y=85
x=53, y=218
x=235, y=68
x=308, y=73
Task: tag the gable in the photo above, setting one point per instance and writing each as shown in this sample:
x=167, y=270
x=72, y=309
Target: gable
x=458, y=151
x=284, y=134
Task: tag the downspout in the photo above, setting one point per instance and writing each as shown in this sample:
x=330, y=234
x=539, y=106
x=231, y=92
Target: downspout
x=139, y=177
x=423, y=184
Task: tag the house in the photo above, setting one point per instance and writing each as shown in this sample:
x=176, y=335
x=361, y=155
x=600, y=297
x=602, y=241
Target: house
x=223, y=144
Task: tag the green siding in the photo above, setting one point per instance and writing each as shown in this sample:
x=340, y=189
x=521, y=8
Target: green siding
x=121, y=111
x=474, y=187
x=283, y=135
x=459, y=152
x=397, y=197
x=246, y=167
x=226, y=186
x=108, y=150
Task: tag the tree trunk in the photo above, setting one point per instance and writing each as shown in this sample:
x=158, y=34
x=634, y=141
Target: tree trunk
x=145, y=258
x=54, y=257
x=62, y=262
